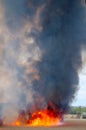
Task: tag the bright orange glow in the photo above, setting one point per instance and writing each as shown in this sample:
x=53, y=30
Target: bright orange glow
x=40, y=118
x=18, y=123
x=44, y=118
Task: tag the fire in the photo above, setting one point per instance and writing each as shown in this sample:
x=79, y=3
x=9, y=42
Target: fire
x=50, y=116
x=44, y=118
x=40, y=118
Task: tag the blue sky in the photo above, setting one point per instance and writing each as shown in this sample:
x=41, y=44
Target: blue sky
x=80, y=99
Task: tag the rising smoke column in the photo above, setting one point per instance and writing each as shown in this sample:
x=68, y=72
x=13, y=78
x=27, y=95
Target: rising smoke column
x=61, y=42
x=40, y=44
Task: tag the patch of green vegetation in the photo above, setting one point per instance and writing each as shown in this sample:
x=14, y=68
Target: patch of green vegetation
x=77, y=110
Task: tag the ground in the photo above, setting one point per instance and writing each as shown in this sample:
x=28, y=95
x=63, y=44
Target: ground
x=69, y=124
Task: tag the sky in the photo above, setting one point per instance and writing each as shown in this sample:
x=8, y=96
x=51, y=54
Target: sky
x=80, y=99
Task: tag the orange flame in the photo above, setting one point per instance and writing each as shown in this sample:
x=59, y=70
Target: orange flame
x=44, y=118
x=40, y=118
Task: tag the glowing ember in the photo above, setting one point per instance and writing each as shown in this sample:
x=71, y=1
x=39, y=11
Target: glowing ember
x=40, y=118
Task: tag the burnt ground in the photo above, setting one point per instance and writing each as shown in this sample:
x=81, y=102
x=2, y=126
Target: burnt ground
x=70, y=124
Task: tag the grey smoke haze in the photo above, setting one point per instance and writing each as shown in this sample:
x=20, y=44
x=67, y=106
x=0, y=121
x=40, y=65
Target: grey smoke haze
x=40, y=53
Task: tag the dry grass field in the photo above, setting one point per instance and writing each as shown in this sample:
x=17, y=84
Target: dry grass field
x=71, y=124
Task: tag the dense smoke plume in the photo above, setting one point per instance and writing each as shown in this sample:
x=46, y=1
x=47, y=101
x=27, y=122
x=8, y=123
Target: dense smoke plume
x=40, y=53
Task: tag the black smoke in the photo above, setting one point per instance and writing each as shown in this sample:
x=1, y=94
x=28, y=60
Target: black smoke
x=61, y=41
x=42, y=51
